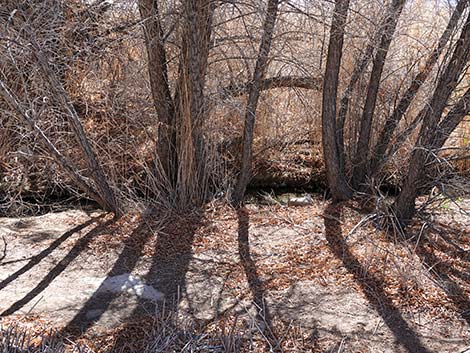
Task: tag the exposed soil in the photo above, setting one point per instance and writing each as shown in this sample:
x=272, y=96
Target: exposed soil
x=309, y=267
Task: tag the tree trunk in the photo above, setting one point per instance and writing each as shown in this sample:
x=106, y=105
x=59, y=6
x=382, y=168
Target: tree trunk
x=190, y=99
x=161, y=94
x=378, y=154
x=460, y=110
x=362, y=150
x=405, y=202
x=70, y=169
x=336, y=180
x=181, y=117
x=252, y=103
x=344, y=103
x=196, y=46
x=61, y=95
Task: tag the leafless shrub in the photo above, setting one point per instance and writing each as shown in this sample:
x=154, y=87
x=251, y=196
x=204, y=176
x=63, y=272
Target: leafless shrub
x=166, y=332
x=14, y=339
x=97, y=50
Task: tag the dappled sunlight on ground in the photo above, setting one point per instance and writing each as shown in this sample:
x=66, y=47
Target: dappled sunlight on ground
x=271, y=268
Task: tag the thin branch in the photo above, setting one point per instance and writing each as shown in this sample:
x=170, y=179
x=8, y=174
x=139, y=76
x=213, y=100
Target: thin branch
x=312, y=83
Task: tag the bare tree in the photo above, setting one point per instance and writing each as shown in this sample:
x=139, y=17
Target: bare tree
x=180, y=141
x=336, y=179
x=206, y=64
x=391, y=123
x=192, y=105
x=253, y=97
x=69, y=168
x=362, y=150
x=448, y=81
x=160, y=87
x=105, y=191
x=346, y=96
x=21, y=27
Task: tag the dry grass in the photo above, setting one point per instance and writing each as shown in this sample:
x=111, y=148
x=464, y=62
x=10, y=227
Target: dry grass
x=163, y=333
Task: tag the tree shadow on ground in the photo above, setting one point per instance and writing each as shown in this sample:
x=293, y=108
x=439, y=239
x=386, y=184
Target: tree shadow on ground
x=256, y=285
x=80, y=245
x=372, y=287
x=101, y=300
x=173, y=253
x=36, y=259
x=442, y=268
x=454, y=240
x=166, y=274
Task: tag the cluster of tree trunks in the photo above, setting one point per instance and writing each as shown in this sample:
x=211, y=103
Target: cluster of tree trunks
x=181, y=112
x=435, y=129
x=181, y=104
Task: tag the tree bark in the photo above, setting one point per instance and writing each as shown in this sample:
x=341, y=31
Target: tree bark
x=344, y=103
x=196, y=45
x=161, y=93
x=190, y=100
x=105, y=191
x=181, y=148
x=460, y=110
x=252, y=103
x=378, y=154
x=336, y=180
x=448, y=81
x=362, y=150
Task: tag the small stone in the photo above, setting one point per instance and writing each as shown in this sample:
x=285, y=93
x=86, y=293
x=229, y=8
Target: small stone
x=252, y=208
x=301, y=201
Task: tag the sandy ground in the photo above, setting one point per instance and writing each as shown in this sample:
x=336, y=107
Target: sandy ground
x=88, y=272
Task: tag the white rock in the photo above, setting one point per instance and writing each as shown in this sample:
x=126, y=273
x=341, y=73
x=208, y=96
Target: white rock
x=132, y=285
x=301, y=201
x=252, y=207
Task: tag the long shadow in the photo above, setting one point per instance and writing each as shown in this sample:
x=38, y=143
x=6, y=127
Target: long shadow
x=373, y=288
x=167, y=272
x=440, y=272
x=101, y=299
x=451, y=237
x=36, y=259
x=256, y=285
x=80, y=245
x=173, y=253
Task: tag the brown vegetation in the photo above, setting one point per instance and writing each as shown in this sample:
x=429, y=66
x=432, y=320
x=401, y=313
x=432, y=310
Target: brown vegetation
x=165, y=105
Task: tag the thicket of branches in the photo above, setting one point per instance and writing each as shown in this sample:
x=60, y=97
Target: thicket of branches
x=177, y=101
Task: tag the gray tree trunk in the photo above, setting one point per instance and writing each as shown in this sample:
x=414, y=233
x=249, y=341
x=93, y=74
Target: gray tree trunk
x=105, y=191
x=196, y=45
x=449, y=79
x=252, y=103
x=378, y=154
x=362, y=150
x=345, y=97
x=161, y=93
x=336, y=179
x=448, y=124
x=180, y=147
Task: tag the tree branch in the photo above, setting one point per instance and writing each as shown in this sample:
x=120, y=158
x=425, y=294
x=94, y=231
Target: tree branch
x=239, y=89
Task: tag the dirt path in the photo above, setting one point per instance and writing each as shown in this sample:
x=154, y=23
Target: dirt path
x=88, y=272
